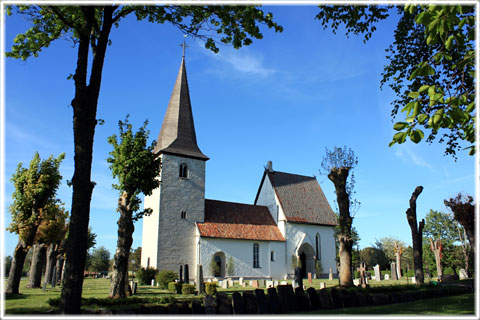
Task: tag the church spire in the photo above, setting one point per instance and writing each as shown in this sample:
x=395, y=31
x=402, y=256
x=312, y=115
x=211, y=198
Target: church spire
x=177, y=135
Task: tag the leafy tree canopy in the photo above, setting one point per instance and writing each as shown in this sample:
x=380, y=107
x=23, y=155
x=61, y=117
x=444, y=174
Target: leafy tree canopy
x=431, y=68
x=100, y=259
x=440, y=226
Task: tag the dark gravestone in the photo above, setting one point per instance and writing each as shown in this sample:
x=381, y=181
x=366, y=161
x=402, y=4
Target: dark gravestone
x=298, y=277
x=393, y=268
x=287, y=297
x=250, y=302
x=210, y=304
x=273, y=301
x=223, y=304
x=180, y=273
x=199, y=282
x=238, y=304
x=325, y=299
x=186, y=276
x=173, y=308
x=314, y=299
x=197, y=307
x=301, y=299
x=261, y=301
x=336, y=299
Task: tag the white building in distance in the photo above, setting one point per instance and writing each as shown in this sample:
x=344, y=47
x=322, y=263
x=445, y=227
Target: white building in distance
x=289, y=220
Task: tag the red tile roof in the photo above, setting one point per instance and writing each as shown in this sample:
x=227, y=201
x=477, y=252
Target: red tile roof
x=230, y=220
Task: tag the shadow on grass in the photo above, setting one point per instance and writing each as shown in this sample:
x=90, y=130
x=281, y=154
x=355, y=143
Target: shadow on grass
x=32, y=311
x=13, y=296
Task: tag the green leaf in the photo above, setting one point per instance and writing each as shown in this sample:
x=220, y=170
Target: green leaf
x=415, y=136
x=413, y=94
x=422, y=117
x=448, y=43
x=470, y=107
x=400, y=126
x=437, y=117
x=400, y=137
x=423, y=88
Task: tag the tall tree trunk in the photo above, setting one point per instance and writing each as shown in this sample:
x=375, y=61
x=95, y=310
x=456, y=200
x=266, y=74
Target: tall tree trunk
x=16, y=268
x=84, y=121
x=416, y=235
x=398, y=259
x=51, y=259
x=339, y=178
x=124, y=243
x=436, y=247
x=38, y=262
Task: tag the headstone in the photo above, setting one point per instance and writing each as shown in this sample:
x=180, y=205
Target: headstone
x=224, y=284
x=261, y=301
x=463, y=274
x=238, y=304
x=254, y=283
x=197, y=307
x=313, y=298
x=393, y=268
x=298, y=277
x=209, y=280
x=387, y=276
x=240, y=281
x=294, y=284
x=269, y=284
x=134, y=288
x=356, y=282
x=448, y=278
x=286, y=295
x=323, y=285
x=378, y=274
x=301, y=300
x=220, y=283
x=362, y=269
x=186, y=276
x=345, y=297
x=274, y=304
x=199, y=282
x=275, y=283
x=230, y=282
x=210, y=304
x=250, y=302
x=413, y=280
x=310, y=277
x=330, y=275
x=153, y=282
x=261, y=283
x=223, y=304
x=180, y=273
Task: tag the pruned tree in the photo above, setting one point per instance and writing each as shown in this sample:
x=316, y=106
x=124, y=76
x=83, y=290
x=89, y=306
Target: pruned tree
x=463, y=209
x=136, y=167
x=89, y=28
x=35, y=193
x=416, y=235
x=338, y=163
x=398, y=249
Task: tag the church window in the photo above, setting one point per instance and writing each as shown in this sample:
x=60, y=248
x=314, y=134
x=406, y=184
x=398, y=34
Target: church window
x=272, y=255
x=256, y=262
x=148, y=262
x=184, y=215
x=183, y=171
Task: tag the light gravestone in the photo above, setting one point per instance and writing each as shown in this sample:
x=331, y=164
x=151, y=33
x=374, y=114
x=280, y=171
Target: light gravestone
x=254, y=283
x=230, y=282
x=153, y=283
x=283, y=282
x=240, y=281
x=275, y=283
x=269, y=284
x=330, y=275
x=463, y=274
x=393, y=269
x=224, y=284
x=323, y=285
x=387, y=276
x=378, y=274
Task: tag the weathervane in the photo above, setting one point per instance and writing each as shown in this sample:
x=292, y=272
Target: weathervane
x=184, y=45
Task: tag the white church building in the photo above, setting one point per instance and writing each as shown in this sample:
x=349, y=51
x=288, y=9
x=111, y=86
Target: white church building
x=289, y=219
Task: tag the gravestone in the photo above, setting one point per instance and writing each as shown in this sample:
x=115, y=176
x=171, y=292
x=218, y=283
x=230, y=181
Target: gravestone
x=413, y=280
x=275, y=283
x=238, y=304
x=310, y=277
x=387, y=276
x=269, y=284
x=250, y=302
x=210, y=304
x=463, y=274
x=356, y=282
x=345, y=297
x=180, y=273
x=274, y=304
x=393, y=268
x=220, y=283
x=199, y=282
x=301, y=300
x=197, y=307
x=286, y=295
x=378, y=274
x=254, y=283
x=313, y=298
x=325, y=299
x=261, y=283
x=298, y=277
x=362, y=269
x=153, y=282
x=283, y=282
x=44, y=286
x=186, y=276
x=362, y=298
x=240, y=281
x=223, y=304
x=230, y=282
x=209, y=280
x=261, y=301
x=224, y=284
x=294, y=284
x=330, y=275
x=323, y=285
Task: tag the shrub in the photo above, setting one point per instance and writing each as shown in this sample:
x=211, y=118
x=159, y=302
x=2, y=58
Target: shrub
x=210, y=288
x=164, y=277
x=175, y=287
x=167, y=299
x=188, y=288
x=230, y=266
x=214, y=267
x=145, y=276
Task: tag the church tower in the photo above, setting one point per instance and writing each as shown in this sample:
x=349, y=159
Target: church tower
x=168, y=239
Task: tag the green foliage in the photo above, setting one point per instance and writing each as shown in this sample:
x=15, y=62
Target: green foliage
x=7, y=264
x=146, y=275
x=34, y=199
x=164, y=277
x=210, y=288
x=135, y=165
x=431, y=68
x=373, y=256
x=188, y=288
x=100, y=259
x=230, y=266
x=213, y=267
x=295, y=262
x=175, y=287
x=136, y=257
x=318, y=268
x=440, y=226
x=387, y=245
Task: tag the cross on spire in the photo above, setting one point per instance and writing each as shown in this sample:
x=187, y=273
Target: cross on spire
x=184, y=45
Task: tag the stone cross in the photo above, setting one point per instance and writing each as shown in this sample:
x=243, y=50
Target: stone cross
x=393, y=268
x=362, y=269
x=378, y=274
x=184, y=46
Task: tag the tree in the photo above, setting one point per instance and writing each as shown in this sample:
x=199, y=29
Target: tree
x=373, y=256
x=431, y=67
x=7, y=265
x=338, y=164
x=135, y=258
x=416, y=235
x=463, y=210
x=398, y=249
x=89, y=27
x=34, y=196
x=230, y=266
x=100, y=259
x=136, y=166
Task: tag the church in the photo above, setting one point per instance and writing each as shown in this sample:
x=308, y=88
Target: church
x=289, y=222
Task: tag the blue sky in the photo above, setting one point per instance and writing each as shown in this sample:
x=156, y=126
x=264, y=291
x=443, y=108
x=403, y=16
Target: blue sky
x=285, y=98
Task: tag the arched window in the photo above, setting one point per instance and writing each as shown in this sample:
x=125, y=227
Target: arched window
x=318, y=246
x=256, y=262
x=183, y=215
x=183, y=171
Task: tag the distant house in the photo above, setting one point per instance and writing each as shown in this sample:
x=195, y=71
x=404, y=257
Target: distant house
x=289, y=219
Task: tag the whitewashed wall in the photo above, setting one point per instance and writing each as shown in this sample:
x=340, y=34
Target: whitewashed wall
x=268, y=198
x=242, y=253
x=150, y=226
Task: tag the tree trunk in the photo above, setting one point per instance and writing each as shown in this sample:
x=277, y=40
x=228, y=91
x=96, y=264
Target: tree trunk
x=398, y=259
x=339, y=178
x=38, y=262
x=124, y=243
x=416, y=235
x=84, y=121
x=436, y=247
x=16, y=268
x=51, y=259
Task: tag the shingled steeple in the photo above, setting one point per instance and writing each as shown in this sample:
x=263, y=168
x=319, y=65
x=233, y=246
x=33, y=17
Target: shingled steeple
x=177, y=135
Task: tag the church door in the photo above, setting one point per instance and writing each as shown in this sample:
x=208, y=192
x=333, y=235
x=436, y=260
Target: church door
x=303, y=265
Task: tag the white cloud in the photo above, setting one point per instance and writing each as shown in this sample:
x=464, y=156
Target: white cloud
x=405, y=152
